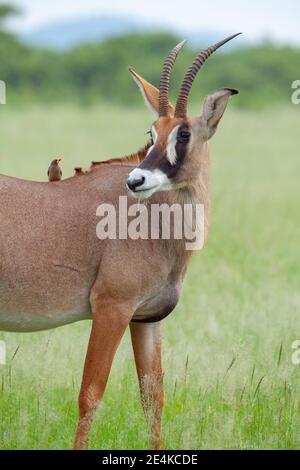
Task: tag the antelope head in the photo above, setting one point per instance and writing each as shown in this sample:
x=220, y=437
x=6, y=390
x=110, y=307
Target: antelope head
x=178, y=141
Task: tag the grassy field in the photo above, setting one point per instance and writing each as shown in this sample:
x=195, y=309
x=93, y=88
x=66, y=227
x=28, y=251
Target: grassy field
x=229, y=380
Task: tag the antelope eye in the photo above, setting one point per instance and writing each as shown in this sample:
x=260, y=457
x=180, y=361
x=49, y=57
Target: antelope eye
x=184, y=134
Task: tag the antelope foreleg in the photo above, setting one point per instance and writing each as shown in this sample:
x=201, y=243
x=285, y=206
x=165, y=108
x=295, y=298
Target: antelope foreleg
x=110, y=320
x=146, y=342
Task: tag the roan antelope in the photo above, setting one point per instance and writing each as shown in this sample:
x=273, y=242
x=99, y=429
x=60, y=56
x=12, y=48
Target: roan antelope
x=54, y=269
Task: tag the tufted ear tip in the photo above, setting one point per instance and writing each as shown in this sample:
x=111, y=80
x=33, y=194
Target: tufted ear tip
x=233, y=91
x=132, y=72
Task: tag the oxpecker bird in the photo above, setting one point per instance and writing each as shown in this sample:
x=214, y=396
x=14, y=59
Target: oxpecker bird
x=54, y=170
x=78, y=171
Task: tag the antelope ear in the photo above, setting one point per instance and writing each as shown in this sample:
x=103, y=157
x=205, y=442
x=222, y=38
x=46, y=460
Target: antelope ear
x=214, y=107
x=150, y=93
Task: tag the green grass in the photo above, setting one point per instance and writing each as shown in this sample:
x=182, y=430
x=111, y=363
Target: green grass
x=229, y=379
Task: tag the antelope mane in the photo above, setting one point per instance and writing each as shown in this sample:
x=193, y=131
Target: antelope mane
x=133, y=158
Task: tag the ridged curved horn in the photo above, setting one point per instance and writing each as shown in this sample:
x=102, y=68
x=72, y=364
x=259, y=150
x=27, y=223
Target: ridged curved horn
x=163, y=100
x=181, y=103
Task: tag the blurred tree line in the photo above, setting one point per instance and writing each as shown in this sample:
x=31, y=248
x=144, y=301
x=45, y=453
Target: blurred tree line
x=99, y=71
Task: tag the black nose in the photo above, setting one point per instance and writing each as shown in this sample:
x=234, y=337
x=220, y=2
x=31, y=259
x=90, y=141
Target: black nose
x=135, y=183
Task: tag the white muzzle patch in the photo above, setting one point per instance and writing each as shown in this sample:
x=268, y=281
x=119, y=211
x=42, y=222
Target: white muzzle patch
x=147, y=181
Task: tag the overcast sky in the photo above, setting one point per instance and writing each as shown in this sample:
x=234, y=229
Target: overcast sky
x=276, y=19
